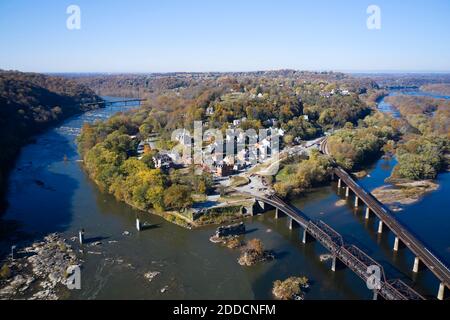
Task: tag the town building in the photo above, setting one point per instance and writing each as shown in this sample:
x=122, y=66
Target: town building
x=163, y=161
x=223, y=169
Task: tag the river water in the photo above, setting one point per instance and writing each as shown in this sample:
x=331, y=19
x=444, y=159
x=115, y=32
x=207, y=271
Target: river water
x=50, y=192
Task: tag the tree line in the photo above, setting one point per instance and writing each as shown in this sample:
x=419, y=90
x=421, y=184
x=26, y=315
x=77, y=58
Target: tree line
x=30, y=103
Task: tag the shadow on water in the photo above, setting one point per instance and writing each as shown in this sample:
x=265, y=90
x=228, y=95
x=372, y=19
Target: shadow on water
x=249, y=231
x=43, y=183
x=151, y=227
x=296, y=259
x=39, y=195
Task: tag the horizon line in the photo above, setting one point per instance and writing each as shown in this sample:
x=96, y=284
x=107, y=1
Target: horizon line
x=345, y=71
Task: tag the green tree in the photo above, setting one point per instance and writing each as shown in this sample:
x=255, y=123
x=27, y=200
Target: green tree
x=178, y=197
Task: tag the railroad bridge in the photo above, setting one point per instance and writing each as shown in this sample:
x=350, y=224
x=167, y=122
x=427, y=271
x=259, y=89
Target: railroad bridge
x=349, y=255
x=403, y=236
x=105, y=103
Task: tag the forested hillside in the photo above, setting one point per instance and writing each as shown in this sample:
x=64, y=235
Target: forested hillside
x=303, y=109
x=31, y=102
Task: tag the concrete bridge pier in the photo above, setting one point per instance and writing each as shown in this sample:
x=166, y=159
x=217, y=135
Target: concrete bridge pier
x=333, y=264
x=375, y=295
x=416, y=266
x=397, y=244
x=138, y=224
x=291, y=223
x=81, y=236
x=262, y=205
x=340, y=183
x=367, y=213
x=380, y=227
x=356, y=202
x=336, y=263
x=441, y=293
x=248, y=210
x=306, y=237
x=347, y=192
x=277, y=213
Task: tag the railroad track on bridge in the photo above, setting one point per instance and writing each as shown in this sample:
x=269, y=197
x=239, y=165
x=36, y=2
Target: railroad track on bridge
x=403, y=235
x=110, y=103
x=350, y=255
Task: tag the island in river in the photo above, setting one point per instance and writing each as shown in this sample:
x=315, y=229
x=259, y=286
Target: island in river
x=122, y=266
x=404, y=193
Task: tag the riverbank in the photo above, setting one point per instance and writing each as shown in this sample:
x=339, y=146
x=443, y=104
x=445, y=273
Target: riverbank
x=31, y=103
x=404, y=193
x=38, y=272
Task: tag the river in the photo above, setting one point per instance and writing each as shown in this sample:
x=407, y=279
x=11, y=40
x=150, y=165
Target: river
x=50, y=192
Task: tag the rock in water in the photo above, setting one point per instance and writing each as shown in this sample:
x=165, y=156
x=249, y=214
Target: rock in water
x=151, y=275
x=46, y=265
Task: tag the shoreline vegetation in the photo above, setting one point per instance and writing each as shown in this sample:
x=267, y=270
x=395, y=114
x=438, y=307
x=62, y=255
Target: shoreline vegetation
x=303, y=105
x=252, y=251
x=437, y=88
x=303, y=109
x=31, y=103
x=360, y=135
x=419, y=140
x=293, y=288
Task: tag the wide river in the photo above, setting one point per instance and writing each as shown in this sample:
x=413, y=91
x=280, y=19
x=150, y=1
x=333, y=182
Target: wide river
x=50, y=192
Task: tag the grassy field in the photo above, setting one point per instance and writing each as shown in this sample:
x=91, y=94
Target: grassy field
x=286, y=173
x=238, y=181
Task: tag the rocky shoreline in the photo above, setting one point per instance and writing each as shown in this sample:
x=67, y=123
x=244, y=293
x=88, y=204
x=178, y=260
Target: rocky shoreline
x=39, y=272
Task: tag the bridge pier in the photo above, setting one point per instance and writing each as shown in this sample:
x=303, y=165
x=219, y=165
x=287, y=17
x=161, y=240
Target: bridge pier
x=397, y=244
x=367, y=213
x=291, y=223
x=380, y=227
x=262, y=205
x=356, y=202
x=375, y=295
x=416, y=265
x=441, y=292
x=347, y=192
x=306, y=237
x=81, y=236
x=340, y=183
x=248, y=210
x=333, y=264
x=138, y=224
x=277, y=213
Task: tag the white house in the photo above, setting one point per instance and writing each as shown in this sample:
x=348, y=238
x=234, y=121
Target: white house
x=210, y=111
x=162, y=161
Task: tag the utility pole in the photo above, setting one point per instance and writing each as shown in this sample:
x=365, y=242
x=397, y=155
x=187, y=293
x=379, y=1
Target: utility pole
x=81, y=236
x=12, y=252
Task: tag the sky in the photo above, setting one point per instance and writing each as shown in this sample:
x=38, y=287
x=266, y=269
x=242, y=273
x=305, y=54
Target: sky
x=224, y=35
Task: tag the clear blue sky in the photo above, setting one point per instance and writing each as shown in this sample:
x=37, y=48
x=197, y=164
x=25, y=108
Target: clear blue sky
x=224, y=35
